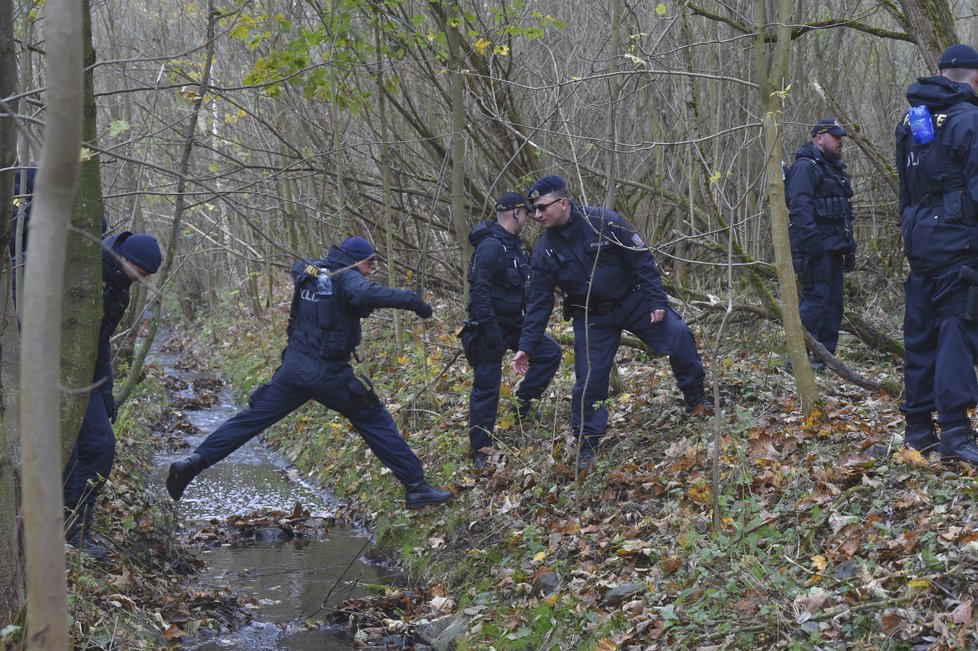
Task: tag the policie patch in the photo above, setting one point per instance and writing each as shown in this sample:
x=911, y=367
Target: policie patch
x=637, y=240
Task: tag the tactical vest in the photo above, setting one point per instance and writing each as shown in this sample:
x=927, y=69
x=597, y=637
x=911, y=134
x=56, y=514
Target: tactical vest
x=510, y=274
x=940, y=227
x=319, y=320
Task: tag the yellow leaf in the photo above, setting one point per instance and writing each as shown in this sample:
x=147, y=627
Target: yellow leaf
x=539, y=556
x=481, y=46
x=660, y=9
x=501, y=50
x=605, y=645
x=715, y=177
x=402, y=360
x=819, y=562
x=551, y=600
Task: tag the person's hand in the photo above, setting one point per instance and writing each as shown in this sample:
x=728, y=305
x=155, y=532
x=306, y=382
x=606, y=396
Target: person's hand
x=657, y=316
x=111, y=409
x=849, y=261
x=421, y=308
x=521, y=362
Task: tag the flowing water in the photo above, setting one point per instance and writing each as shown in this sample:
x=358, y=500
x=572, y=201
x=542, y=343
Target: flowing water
x=290, y=580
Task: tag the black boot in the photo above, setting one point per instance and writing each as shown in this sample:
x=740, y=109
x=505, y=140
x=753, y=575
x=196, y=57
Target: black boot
x=958, y=444
x=921, y=437
x=585, y=455
x=182, y=473
x=419, y=494
x=479, y=459
x=78, y=537
x=523, y=410
x=697, y=403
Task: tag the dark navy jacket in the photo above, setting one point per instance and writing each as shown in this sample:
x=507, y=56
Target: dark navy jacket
x=115, y=300
x=564, y=257
x=498, y=275
x=939, y=179
x=817, y=192
x=327, y=326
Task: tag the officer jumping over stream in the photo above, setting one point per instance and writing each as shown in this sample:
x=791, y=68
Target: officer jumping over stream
x=330, y=297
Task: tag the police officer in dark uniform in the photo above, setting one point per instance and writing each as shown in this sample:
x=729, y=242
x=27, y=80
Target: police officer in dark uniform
x=329, y=298
x=937, y=160
x=498, y=275
x=610, y=283
x=817, y=191
x=126, y=258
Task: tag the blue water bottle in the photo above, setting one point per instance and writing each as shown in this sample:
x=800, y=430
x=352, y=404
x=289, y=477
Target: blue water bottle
x=324, y=286
x=921, y=124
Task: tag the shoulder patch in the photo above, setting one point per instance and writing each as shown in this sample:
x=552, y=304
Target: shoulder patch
x=637, y=240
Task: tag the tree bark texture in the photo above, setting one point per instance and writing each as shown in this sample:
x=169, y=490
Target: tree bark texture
x=57, y=179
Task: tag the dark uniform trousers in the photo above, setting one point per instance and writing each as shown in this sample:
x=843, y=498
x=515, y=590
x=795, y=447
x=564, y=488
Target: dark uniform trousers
x=596, y=342
x=823, y=299
x=331, y=383
x=90, y=461
x=941, y=350
x=487, y=374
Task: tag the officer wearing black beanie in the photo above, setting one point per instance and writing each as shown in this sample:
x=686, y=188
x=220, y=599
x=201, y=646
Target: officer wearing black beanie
x=937, y=160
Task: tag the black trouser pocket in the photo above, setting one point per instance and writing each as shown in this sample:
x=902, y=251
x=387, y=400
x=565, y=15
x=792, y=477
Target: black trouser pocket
x=362, y=394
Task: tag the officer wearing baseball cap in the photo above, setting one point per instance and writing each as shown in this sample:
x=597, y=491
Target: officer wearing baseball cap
x=498, y=276
x=938, y=200
x=823, y=247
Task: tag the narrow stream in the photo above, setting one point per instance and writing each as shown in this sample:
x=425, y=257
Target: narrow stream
x=288, y=579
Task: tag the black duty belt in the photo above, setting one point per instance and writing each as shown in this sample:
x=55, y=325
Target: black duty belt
x=596, y=306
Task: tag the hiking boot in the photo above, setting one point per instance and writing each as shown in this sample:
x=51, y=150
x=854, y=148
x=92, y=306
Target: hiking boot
x=479, y=459
x=585, y=455
x=87, y=546
x=420, y=494
x=182, y=473
x=523, y=411
x=958, y=444
x=921, y=437
x=697, y=404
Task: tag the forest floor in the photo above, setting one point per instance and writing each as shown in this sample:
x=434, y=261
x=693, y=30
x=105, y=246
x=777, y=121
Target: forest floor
x=808, y=533
x=817, y=533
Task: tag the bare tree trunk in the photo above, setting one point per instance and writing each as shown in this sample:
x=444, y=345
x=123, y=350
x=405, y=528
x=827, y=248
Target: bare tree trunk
x=772, y=69
x=931, y=23
x=82, y=300
x=385, y=174
x=459, y=221
x=57, y=179
x=611, y=155
x=11, y=578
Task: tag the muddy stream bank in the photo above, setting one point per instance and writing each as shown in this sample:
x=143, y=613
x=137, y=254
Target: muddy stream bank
x=289, y=548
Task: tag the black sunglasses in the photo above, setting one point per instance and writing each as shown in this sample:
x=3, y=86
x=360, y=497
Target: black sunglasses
x=540, y=207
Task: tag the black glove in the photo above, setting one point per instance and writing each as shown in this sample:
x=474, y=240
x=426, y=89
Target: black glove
x=110, y=407
x=849, y=261
x=420, y=307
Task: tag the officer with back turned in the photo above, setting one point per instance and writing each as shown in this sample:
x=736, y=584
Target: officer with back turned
x=497, y=277
x=610, y=283
x=329, y=298
x=818, y=192
x=937, y=160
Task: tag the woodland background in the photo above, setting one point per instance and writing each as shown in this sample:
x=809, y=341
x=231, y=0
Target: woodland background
x=246, y=134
